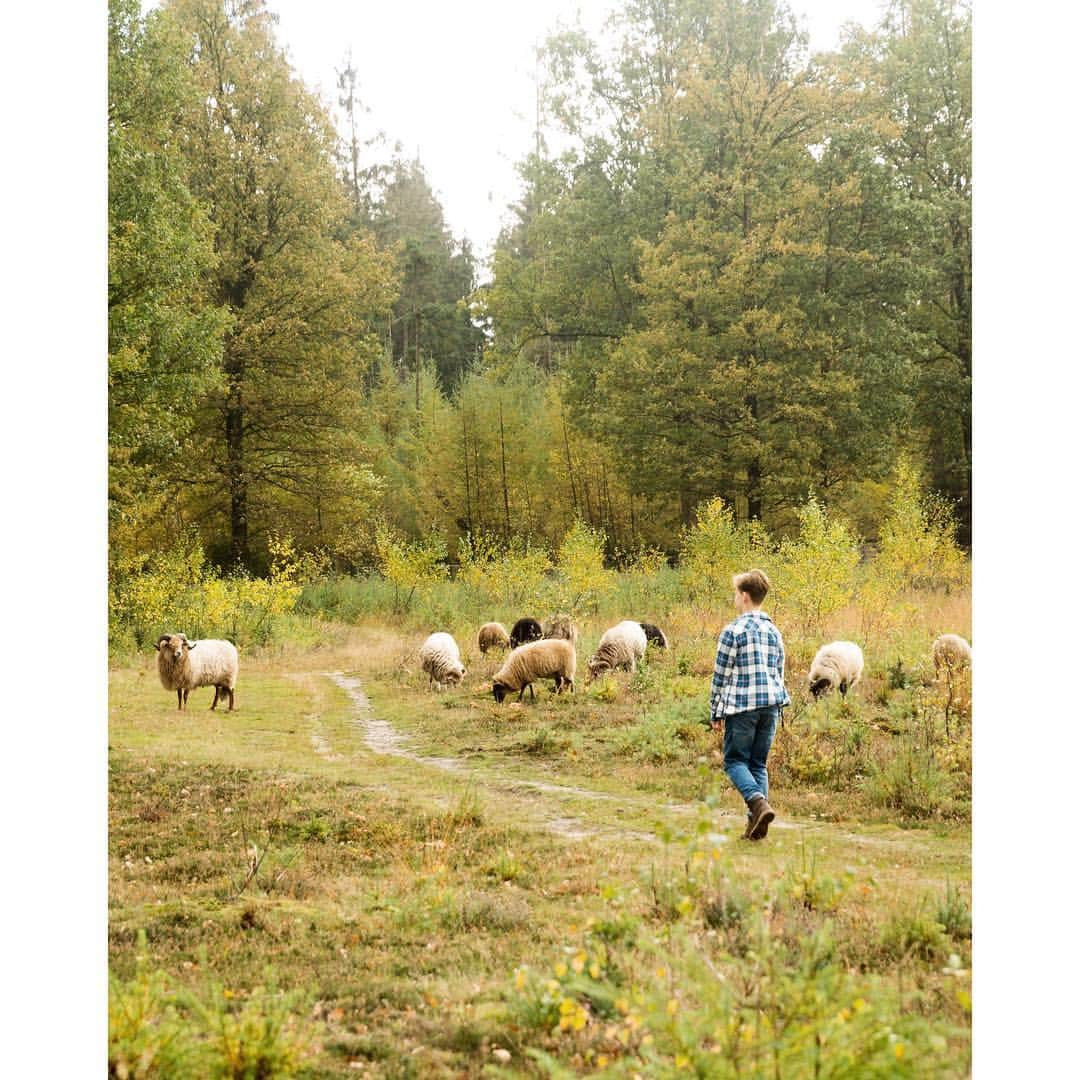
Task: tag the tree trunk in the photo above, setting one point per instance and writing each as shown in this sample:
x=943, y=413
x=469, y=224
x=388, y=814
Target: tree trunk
x=236, y=476
x=506, y=494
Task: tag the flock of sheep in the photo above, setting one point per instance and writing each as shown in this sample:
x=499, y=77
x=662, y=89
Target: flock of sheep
x=536, y=652
x=547, y=652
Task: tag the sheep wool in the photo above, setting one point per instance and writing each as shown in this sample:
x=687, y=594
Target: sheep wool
x=525, y=629
x=837, y=665
x=492, y=635
x=560, y=626
x=550, y=658
x=441, y=659
x=622, y=645
x=654, y=635
x=951, y=651
x=185, y=665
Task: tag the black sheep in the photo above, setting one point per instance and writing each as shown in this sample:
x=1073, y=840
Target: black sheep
x=654, y=635
x=525, y=630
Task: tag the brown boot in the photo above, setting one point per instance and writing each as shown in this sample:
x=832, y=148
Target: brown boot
x=761, y=813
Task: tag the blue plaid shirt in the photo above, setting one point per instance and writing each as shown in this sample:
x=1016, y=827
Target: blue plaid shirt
x=749, y=671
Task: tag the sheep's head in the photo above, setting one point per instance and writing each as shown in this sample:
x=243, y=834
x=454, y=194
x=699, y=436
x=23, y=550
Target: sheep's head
x=596, y=667
x=456, y=674
x=819, y=687
x=500, y=690
x=174, y=645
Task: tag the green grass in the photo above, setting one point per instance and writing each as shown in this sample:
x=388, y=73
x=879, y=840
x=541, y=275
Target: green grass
x=282, y=899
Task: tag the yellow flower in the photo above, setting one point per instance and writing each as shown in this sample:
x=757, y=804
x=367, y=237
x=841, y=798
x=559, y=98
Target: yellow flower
x=672, y=1007
x=519, y=979
x=622, y=1005
x=681, y=1061
x=594, y=970
x=579, y=1020
x=567, y=1005
x=858, y=1004
x=602, y=1061
x=898, y=1050
x=578, y=963
x=661, y=972
x=560, y=969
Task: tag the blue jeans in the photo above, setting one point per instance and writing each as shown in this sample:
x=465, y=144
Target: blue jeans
x=748, y=737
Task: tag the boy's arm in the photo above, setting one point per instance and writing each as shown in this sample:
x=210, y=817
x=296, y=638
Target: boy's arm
x=725, y=657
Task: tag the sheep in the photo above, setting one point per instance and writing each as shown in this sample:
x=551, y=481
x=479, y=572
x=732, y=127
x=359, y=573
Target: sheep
x=549, y=658
x=441, y=659
x=838, y=664
x=493, y=635
x=525, y=630
x=654, y=635
x=181, y=669
x=622, y=645
x=951, y=651
x=560, y=626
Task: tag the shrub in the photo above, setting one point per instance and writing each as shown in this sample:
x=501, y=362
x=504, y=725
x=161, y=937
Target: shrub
x=503, y=574
x=412, y=567
x=714, y=548
x=816, y=572
x=582, y=580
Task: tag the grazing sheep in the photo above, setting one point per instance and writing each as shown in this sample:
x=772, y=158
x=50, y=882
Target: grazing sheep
x=951, y=651
x=561, y=626
x=181, y=669
x=525, y=630
x=551, y=658
x=838, y=664
x=622, y=645
x=441, y=659
x=493, y=635
x=654, y=635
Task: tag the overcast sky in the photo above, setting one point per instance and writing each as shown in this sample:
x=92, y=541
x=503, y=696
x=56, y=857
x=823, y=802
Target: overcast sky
x=453, y=81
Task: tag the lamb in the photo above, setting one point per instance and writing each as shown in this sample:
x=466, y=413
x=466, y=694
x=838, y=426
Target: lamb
x=561, y=626
x=181, y=669
x=493, y=635
x=549, y=658
x=654, y=635
x=838, y=664
x=951, y=651
x=622, y=645
x=525, y=630
x=441, y=659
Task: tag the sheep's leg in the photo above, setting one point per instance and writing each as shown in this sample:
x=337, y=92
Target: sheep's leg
x=186, y=692
x=843, y=689
x=179, y=699
x=558, y=684
x=532, y=692
x=232, y=698
x=522, y=694
x=213, y=704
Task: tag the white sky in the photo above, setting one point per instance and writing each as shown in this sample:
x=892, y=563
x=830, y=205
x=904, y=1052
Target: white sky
x=454, y=81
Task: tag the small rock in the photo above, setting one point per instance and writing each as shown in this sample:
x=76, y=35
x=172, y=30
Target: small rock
x=501, y=1055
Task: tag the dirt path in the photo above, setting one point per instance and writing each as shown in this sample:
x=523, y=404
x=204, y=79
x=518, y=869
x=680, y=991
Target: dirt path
x=382, y=738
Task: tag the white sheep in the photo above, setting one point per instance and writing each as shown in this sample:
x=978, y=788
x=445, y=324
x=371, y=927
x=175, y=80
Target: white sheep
x=560, y=626
x=493, y=635
x=622, y=645
x=545, y=659
x=837, y=665
x=183, y=669
x=441, y=659
x=951, y=651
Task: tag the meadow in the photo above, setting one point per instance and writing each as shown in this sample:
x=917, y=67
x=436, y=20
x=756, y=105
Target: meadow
x=353, y=874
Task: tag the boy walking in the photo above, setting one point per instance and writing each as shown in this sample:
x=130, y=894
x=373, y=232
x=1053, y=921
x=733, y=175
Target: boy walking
x=747, y=696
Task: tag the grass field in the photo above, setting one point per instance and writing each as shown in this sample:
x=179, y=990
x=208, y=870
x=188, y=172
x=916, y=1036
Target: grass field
x=353, y=875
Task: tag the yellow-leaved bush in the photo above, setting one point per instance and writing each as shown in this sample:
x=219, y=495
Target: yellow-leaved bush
x=714, y=548
x=413, y=567
x=502, y=574
x=582, y=580
x=178, y=591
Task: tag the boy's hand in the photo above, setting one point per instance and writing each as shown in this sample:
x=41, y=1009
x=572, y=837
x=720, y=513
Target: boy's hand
x=716, y=725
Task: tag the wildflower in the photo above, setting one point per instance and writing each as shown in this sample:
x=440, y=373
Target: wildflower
x=594, y=970
x=560, y=969
x=661, y=972
x=682, y=1061
x=578, y=963
x=519, y=978
x=898, y=1050
x=622, y=1005
x=602, y=1061
x=672, y=1007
